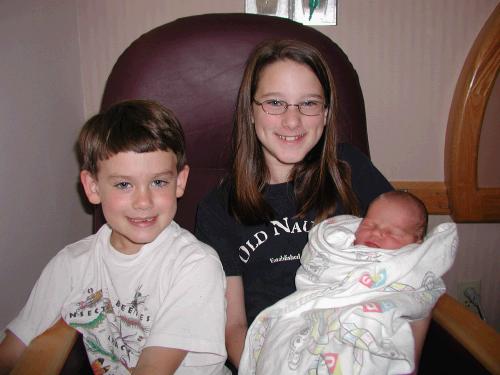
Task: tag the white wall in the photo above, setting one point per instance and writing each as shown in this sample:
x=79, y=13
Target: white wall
x=41, y=110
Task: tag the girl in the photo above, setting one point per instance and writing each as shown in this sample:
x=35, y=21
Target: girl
x=287, y=173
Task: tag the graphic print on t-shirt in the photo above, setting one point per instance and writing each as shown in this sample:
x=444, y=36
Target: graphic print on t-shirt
x=114, y=331
x=275, y=231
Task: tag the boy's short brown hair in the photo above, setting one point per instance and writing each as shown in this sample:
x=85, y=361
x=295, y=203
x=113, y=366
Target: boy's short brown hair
x=132, y=125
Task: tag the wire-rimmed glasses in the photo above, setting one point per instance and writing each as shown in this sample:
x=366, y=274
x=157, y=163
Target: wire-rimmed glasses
x=278, y=107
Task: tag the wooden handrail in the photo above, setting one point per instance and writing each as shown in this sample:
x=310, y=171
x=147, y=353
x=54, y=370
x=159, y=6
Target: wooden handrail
x=432, y=193
x=47, y=353
x=477, y=337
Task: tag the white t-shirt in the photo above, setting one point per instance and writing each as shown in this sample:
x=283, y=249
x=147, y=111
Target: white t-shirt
x=169, y=294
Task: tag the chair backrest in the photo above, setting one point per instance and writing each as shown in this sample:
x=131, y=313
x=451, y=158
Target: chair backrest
x=194, y=66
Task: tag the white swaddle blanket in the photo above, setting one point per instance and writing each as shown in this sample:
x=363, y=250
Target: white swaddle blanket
x=351, y=311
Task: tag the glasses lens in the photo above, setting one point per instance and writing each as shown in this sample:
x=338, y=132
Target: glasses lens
x=274, y=107
x=311, y=108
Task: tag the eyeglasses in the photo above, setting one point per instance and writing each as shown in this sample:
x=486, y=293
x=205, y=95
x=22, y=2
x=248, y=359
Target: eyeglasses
x=278, y=107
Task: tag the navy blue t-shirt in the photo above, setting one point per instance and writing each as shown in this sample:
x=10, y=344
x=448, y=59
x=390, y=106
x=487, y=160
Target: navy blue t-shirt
x=267, y=255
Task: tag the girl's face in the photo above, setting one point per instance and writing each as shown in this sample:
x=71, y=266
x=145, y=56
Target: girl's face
x=288, y=137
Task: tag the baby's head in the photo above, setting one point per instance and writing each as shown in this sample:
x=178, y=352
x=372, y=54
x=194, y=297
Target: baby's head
x=393, y=220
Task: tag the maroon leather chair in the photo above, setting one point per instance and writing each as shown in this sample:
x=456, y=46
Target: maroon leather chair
x=194, y=66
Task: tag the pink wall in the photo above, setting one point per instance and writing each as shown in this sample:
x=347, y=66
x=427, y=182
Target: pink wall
x=41, y=110
x=56, y=55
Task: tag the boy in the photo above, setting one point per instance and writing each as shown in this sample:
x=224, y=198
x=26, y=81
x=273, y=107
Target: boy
x=360, y=307
x=146, y=295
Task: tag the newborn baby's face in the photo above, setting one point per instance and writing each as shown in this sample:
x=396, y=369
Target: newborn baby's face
x=388, y=226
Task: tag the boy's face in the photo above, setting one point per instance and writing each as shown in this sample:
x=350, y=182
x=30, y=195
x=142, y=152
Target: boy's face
x=388, y=225
x=138, y=193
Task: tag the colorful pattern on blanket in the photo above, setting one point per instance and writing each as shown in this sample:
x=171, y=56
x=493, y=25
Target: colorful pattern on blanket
x=351, y=311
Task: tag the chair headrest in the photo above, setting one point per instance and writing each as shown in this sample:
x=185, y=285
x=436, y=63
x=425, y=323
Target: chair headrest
x=194, y=66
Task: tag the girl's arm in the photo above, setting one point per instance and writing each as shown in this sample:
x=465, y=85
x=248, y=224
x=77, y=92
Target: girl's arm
x=236, y=326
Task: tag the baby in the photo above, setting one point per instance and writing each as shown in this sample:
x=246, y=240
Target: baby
x=357, y=300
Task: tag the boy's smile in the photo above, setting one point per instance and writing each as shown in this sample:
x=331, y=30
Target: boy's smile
x=138, y=193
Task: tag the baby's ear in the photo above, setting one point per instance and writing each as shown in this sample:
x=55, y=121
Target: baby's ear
x=89, y=182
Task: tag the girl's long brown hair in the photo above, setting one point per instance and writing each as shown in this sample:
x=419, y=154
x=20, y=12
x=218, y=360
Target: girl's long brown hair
x=320, y=179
